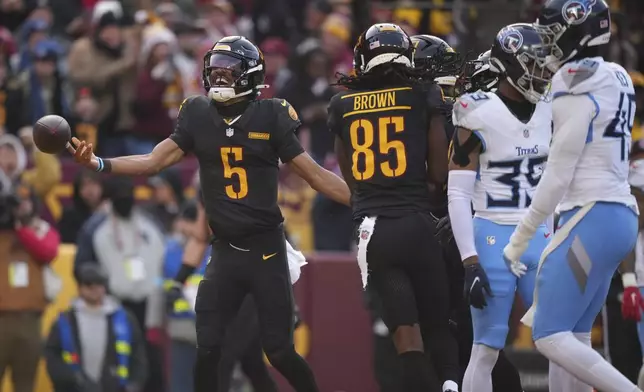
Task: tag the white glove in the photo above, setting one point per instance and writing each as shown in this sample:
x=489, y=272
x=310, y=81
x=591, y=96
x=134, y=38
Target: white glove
x=512, y=255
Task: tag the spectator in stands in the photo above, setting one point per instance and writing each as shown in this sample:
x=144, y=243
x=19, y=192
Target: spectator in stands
x=309, y=92
x=170, y=14
x=295, y=198
x=31, y=33
x=336, y=33
x=14, y=12
x=38, y=90
x=85, y=109
x=159, y=90
x=276, y=57
x=167, y=198
x=70, y=19
x=316, y=13
x=86, y=199
x=219, y=16
x=7, y=49
x=44, y=169
x=105, y=62
x=129, y=245
x=27, y=245
x=189, y=59
x=96, y=345
x=181, y=323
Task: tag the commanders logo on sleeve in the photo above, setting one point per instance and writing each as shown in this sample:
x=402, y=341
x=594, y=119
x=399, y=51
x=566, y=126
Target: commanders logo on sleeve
x=292, y=113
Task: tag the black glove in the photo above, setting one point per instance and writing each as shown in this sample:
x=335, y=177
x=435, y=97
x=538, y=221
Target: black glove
x=476, y=285
x=444, y=233
x=172, y=294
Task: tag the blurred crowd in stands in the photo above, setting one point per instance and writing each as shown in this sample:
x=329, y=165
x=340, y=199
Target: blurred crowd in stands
x=119, y=70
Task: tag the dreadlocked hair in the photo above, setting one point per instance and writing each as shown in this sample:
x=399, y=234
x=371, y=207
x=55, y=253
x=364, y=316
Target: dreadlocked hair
x=385, y=75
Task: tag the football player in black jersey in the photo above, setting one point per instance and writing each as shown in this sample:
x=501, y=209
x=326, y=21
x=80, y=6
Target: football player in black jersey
x=475, y=75
x=238, y=141
x=389, y=142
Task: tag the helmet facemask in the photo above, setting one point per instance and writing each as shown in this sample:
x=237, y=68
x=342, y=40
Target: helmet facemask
x=532, y=80
x=226, y=76
x=560, y=51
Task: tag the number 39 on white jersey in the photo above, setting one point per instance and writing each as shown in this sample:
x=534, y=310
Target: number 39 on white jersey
x=602, y=170
x=513, y=154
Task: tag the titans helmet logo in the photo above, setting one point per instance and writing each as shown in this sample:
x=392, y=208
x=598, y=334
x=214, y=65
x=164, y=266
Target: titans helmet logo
x=575, y=12
x=510, y=40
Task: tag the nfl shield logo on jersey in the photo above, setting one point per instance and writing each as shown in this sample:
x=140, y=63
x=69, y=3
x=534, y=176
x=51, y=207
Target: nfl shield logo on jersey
x=526, y=133
x=230, y=132
x=364, y=234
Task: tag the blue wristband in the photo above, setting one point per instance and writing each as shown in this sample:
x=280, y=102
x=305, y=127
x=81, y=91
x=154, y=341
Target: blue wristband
x=101, y=165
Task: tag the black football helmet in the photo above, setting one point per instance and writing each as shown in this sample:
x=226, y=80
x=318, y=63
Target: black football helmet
x=432, y=53
x=518, y=55
x=234, y=67
x=382, y=43
x=572, y=25
x=477, y=75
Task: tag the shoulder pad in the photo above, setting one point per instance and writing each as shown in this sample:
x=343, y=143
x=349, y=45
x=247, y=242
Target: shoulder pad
x=578, y=77
x=282, y=105
x=191, y=100
x=465, y=114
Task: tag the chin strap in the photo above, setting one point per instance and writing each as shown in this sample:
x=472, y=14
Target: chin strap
x=224, y=94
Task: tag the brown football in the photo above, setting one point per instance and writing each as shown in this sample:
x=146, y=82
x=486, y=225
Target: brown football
x=51, y=134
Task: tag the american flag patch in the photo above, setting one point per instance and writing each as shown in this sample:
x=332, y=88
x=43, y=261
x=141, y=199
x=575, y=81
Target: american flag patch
x=603, y=23
x=374, y=44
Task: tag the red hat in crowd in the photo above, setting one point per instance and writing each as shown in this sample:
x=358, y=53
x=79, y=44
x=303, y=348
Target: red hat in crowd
x=274, y=46
x=7, y=43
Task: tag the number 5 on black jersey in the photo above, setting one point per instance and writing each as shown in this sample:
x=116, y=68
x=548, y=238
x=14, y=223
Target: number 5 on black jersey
x=362, y=133
x=234, y=154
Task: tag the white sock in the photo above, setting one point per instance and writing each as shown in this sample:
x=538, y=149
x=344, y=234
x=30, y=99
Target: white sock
x=449, y=386
x=478, y=375
x=583, y=362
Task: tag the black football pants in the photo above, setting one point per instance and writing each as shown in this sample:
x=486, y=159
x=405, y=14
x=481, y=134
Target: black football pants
x=244, y=345
x=258, y=266
x=407, y=272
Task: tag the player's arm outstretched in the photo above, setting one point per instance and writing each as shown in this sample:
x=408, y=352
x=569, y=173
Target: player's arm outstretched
x=321, y=179
x=291, y=152
x=571, y=117
x=463, y=167
x=165, y=154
